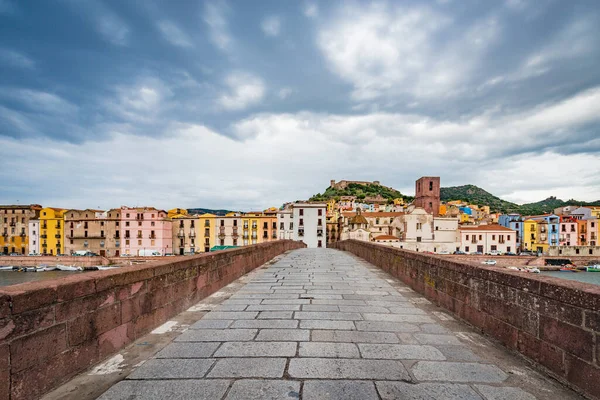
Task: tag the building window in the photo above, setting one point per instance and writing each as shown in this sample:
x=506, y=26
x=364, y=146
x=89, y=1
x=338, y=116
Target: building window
x=281, y=226
x=301, y=221
x=494, y=247
x=319, y=243
x=480, y=237
x=418, y=238
x=467, y=237
x=139, y=223
x=152, y=243
x=139, y=242
x=291, y=225
x=419, y=226
x=320, y=212
x=430, y=186
x=302, y=212
x=265, y=225
x=127, y=215
x=126, y=223
x=222, y=222
x=152, y=223
x=235, y=242
x=320, y=222
x=127, y=242
x=508, y=249
x=222, y=241
x=493, y=237
x=507, y=237
x=466, y=249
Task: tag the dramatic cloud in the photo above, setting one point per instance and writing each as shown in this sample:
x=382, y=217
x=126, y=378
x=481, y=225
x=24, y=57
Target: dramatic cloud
x=271, y=25
x=387, y=51
x=174, y=34
x=243, y=91
x=257, y=104
x=215, y=18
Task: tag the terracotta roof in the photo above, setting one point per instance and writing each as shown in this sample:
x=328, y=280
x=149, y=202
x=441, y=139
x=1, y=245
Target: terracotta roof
x=358, y=219
x=374, y=214
x=386, y=237
x=492, y=227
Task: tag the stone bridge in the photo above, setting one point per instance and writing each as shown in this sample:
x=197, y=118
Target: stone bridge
x=308, y=324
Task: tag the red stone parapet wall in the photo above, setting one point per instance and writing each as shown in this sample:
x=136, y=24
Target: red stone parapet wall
x=553, y=322
x=52, y=330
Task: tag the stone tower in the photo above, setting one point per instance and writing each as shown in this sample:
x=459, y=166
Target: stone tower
x=427, y=194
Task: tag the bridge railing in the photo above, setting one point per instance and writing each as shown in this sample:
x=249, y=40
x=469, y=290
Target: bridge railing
x=554, y=323
x=52, y=330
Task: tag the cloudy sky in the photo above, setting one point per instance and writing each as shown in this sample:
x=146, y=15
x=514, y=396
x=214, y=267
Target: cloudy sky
x=244, y=105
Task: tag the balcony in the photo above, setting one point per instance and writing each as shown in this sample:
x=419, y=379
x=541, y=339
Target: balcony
x=221, y=229
x=151, y=236
x=320, y=232
x=57, y=226
x=181, y=235
x=543, y=230
x=5, y=234
x=23, y=234
x=192, y=234
x=44, y=244
x=57, y=236
x=13, y=223
x=44, y=226
x=57, y=244
x=116, y=236
x=221, y=235
x=300, y=232
x=44, y=236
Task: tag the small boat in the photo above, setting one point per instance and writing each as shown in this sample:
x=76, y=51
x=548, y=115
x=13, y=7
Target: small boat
x=593, y=268
x=9, y=268
x=105, y=267
x=532, y=270
x=61, y=267
x=569, y=269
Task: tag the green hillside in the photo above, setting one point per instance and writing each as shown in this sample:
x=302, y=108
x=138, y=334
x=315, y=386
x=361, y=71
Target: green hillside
x=360, y=191
x=475, y=195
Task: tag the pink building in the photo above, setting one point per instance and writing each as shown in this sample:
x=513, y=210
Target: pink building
x=568, y=232
x=146, y=231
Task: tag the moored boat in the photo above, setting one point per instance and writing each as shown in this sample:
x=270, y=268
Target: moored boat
x=61, y=267
x=593, y=268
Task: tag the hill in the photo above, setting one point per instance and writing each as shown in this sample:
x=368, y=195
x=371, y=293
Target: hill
x=360, y=191
x=219, y=213
x=475, y=195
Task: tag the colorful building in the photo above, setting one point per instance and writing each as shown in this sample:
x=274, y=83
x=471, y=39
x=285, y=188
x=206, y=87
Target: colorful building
x=91, y=230
x=206, y=231
x=14, y=227
x=185, y=233
x=51, y=230
x=568, y=231
x=146, y=231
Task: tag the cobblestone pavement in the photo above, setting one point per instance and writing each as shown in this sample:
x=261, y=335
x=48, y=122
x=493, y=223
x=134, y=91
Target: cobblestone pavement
x=323, y=324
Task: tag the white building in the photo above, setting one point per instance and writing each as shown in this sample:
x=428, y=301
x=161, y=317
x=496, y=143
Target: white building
x=309, y=223
x=34, y=236
x=487, y=238
x=421, y=231
x=285, y=224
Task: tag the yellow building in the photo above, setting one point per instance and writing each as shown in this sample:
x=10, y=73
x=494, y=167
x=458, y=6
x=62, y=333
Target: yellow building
x=530, y=234
x=14, y=228
x=259, y=227
x=52, y=230
x=443, y=209
x=464, y=218
x=206, y=232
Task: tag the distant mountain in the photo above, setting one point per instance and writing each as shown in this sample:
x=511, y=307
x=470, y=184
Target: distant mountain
x=360, y=191
x=476, y=195
x=219, y=213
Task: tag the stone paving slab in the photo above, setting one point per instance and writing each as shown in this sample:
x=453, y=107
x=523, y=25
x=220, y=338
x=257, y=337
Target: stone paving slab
x=334, y=390
x=263, y=389
x=321, y=324
x=172, y=389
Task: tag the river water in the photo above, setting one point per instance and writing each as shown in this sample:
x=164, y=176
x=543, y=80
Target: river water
x=588, y=277
x=14, y=277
